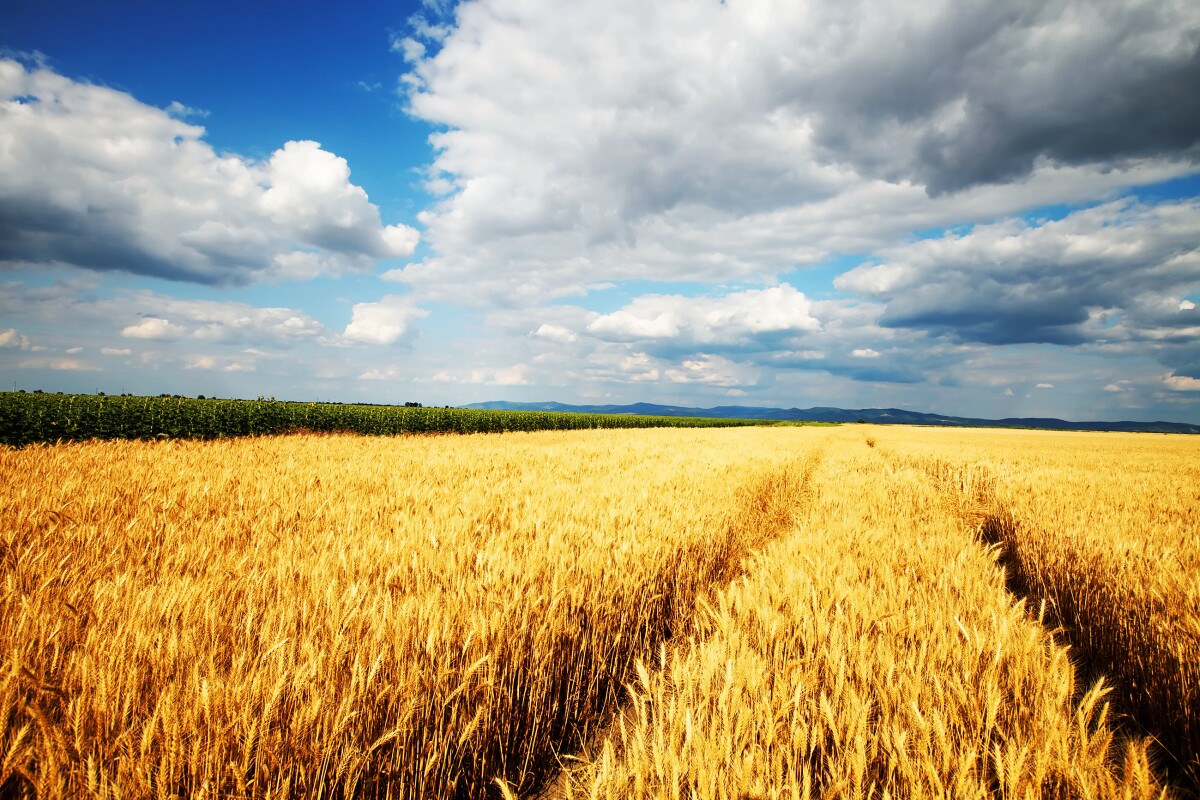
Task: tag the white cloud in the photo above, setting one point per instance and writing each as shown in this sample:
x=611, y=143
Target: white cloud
x=712, y=370
x=225, y=322
x=736, y=318
x=11, y=339
x=645, y=321
x=92, y=177
x=554, y=333
x=310, y=194
x=1181, y=383
x=272, y=334
x=231, y=322
x=1186, y=305
x=388, y=373
x=864, y=352
x=516, y=375
x=640, y=367
x=382, y=323
x=393, y=275
x=1045, y=386
x=205, y=362
x=733, y=141
x=182, y=112
x=211, y=363
x=155, y=328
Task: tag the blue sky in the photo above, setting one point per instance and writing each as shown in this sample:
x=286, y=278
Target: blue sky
x=985, y=209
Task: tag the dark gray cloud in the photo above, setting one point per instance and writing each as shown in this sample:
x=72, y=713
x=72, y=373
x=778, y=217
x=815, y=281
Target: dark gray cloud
x=1184, y=361
x=1120, y=272
x=979, y=92
x=1011, y=321
x=34, y=232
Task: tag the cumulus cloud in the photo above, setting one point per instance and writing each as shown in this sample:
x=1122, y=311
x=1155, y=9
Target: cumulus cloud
x=716, y=141
x=712, y=370
x=764, y=331
x=967, y=93
x=11, y=339
x=515, y=375
x=155, y=328
x=384, y=322
x=1100, y=274
x=387, y=373
x=199, y=362
x=211, y=363
x=310, y=193
x=168, y=319
x=116, y=351
x=1181, y=383
x=554, y=333
x=231, y=322
x=91, y=177
x=639, y=367
x=734, y=319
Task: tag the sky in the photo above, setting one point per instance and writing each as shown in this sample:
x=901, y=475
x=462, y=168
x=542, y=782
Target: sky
x=970, y=207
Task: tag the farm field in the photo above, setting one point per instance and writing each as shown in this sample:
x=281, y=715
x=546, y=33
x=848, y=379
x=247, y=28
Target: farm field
x=874, y=651
x=1105, y=530
x=345, y=616
x=708, y=613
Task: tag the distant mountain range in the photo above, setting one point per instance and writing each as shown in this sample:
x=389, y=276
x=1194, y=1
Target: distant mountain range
x=825, y=414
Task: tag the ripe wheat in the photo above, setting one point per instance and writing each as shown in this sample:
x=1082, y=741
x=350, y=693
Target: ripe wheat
x=346, y=617
x=1105, y=529
x=776, y=612
x=874, y=653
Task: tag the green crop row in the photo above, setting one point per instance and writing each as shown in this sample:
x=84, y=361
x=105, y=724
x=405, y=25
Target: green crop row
x=31, y=418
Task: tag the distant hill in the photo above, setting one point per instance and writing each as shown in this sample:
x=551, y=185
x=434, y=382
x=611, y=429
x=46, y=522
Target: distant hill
x=826, y=414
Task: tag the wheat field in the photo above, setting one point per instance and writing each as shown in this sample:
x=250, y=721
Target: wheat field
x=757, y=612
x=1104, y=528
x=874, y=652
x=348, y=617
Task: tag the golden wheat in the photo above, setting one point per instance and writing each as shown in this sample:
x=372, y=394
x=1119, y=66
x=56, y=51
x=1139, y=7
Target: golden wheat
x=339, y=616
x=1104, y=528
x=795, y=614
x=874, y=653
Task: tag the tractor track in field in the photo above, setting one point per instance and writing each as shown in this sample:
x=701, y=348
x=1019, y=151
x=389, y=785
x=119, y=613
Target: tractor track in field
x=971, y=490
x=780, y=520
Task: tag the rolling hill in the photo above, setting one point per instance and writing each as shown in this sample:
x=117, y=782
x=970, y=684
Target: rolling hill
x=829, y=414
